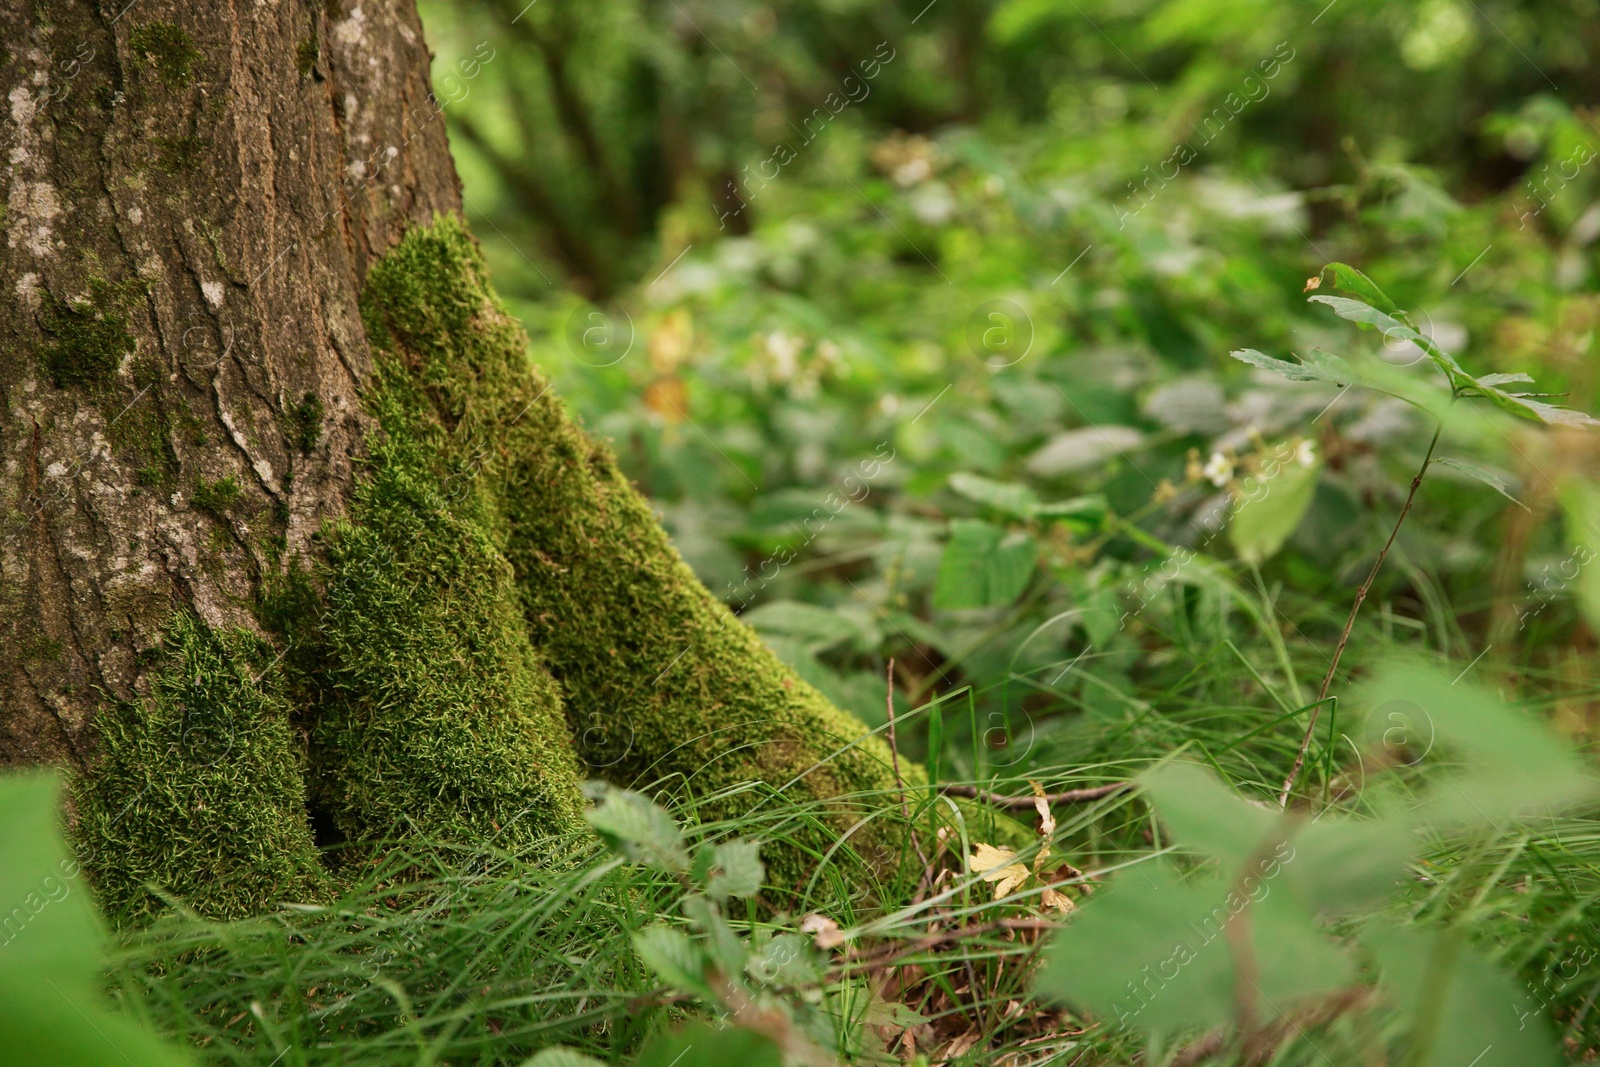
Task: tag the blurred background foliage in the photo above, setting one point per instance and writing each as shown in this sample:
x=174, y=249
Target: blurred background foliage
x=913, y=320
x=995, y=255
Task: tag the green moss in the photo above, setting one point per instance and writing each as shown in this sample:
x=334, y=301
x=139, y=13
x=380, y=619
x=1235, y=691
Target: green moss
x=304, y=423
x=88, y=337
x=167, y=48
x=660, y=680
x=434, y=713
x=198, y=790
x=138, y=426
x=215, y=498
x=174, y=154
x=305, y=55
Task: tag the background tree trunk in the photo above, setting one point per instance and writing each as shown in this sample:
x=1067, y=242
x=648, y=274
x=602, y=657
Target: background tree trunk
x=298, y=548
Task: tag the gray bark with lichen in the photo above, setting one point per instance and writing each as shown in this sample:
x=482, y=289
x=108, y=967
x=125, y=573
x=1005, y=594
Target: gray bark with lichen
x=186, y=235
x=293, y=532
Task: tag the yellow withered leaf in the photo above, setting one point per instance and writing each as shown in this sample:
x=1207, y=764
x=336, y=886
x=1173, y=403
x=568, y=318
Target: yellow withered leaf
x=997, y=865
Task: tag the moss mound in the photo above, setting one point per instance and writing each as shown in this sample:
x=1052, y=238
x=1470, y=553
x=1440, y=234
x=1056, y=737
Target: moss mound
x=660, y=680
x=199, y=790
x=433, y=710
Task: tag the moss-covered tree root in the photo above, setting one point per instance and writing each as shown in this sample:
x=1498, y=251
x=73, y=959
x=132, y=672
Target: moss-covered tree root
x=496, y=608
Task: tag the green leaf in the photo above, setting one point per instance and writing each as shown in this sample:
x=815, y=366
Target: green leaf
x=1374, y=308
x=637, y=828
x=1394, y=329
x=1493, y=480
x=562, y=1057
x=1504, y=379
x=1580, y=502
x=1271, y=511
x=819, y=627
x=1500, y=763
x=983, y=566
x=737, y=870
x=726, y=949
x=786, y=959
x=1317, y=367
x=52, y=1011
x=1010, y=498
x=1360, y=312
x=1463, y=1008
x=1152, y=952
x=882, y=1012
x=1339, y=865
x=1091, y=507
x=1524, y=406
x=1138, y=955
x=701, y=1045
x=675, y=958
x=1329, y=865
x=1353, y=281
x=1204, y=814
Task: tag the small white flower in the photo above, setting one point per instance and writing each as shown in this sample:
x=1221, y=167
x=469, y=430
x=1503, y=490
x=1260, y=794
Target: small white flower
x=1305, y=454
x=784, y=351
x=913, y=171
x=1219, y=469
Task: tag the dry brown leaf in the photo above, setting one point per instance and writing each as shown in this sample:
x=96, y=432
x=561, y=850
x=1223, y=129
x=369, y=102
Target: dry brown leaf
x=1050, y=898
x=824, y=931
x=960, y=1046
x=997, y=865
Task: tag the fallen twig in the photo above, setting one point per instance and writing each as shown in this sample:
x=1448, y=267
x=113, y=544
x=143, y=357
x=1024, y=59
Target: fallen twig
x=1071, y=796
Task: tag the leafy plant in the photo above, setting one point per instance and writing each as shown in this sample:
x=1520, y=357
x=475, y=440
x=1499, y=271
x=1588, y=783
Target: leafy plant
x=53, y=1008
x=1246, y=939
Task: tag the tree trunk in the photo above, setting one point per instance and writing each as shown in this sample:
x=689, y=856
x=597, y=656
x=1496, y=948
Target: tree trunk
x=298, y=548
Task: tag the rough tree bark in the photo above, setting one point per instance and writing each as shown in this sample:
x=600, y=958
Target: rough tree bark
x=297, y=546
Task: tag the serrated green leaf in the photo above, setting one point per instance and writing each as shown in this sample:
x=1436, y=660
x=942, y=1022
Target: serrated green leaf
x=1463, y=1008
x=1339, y=865
x=675, y=958
x=1525, y=407
x=1374, y=308
x=1152, y=952
x=1504, y=379
x=882, y=1012
x=725, y=947
x=1330, y=865
x=636, y=827
x=1271, y=511
x=1394, y=329
x=737, y=870
x=1205, y=815
x=1364, y=288
x=786, y=959
x=1494, y=481
x=1499, y=763
x=1364, y=313
x=1317, y=367
x=1010, y=498
x=1011, y=567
